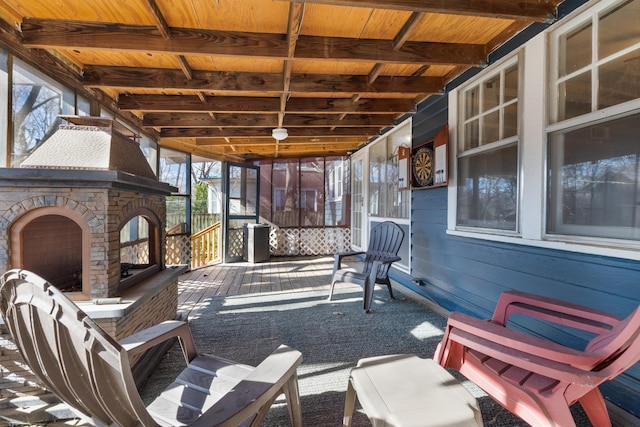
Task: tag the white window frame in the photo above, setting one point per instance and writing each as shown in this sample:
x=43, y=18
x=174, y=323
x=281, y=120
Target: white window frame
x=533, y=150
x=405, y=264
x=499, y=69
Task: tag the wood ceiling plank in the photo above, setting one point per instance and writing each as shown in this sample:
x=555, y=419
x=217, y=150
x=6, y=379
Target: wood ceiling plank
x=91, y=35
x=522, y=10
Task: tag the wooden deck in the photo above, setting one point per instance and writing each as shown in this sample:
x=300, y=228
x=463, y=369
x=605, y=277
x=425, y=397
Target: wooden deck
x=278, y=274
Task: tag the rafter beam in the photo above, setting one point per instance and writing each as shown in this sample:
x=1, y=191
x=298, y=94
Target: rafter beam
x=533, y=10
x=236, y=104
x=264, y=132
x=203, y=120
x=220, y=81
x=47, y=33
x=349, y=141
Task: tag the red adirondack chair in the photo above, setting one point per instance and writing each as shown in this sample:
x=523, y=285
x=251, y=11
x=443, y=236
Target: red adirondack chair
x=537, y=379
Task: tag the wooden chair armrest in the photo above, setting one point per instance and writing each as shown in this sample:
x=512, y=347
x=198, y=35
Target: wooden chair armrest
x=521, y=342
x=527, y=361
x=154, y=335
x=262, y=385
x=557, y=311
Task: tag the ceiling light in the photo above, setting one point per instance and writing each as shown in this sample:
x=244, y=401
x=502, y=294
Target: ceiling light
x=279, y=134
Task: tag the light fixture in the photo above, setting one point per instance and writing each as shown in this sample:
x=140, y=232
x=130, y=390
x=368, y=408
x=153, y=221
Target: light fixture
x=279, y=133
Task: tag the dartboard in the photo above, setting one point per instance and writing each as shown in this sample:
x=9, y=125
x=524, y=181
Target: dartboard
x=423, y=166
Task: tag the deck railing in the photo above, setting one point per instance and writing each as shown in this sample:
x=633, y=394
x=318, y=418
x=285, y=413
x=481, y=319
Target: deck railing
x=205, y=246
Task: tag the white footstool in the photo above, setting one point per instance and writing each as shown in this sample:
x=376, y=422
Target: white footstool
x=405, y=390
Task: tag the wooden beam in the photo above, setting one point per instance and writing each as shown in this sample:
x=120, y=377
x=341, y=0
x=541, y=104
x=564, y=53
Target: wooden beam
x=220, y=81
x=48, y=33
x=533, y=10
x=161, y=23
x=264, y=132
x=235, y=104
x=374, y=50
x=203, y=120
x=405, y=32
x=334, y=140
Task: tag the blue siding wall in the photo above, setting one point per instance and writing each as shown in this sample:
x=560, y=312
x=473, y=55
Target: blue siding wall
x=463, y=274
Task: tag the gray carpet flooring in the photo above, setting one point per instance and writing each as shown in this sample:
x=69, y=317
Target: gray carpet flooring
x=332, y=336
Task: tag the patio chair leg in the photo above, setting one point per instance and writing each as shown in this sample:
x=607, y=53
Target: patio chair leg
x=349, y=405
x=333, y=284
x=292, y=395
x=388, y=283
x=368, y=295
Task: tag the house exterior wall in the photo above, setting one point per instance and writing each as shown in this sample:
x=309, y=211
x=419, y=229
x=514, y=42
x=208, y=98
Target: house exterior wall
x=468, y=274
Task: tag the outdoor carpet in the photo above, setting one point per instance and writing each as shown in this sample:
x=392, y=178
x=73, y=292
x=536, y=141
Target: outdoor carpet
x=332, y=336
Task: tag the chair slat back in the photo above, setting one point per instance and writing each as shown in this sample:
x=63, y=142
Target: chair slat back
x=70, y=353
x=385, y=241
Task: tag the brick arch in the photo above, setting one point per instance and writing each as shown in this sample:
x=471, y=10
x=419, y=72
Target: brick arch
x=21, y=208
x=132, y=210
x=26, y=217
x=144, y=207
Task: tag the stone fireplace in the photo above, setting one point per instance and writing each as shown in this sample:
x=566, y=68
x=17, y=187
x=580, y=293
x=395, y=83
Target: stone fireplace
x=62, y=213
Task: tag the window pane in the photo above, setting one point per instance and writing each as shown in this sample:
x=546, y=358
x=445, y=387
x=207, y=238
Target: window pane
x=176, y=214
x=510, y=121
x=206, y=193
x=593, y=180
x=618, y=29
x=488, y=189
x=174, y=169
x=619, y=80
x=83, y=106
x=265, y=191
x=35, y=109
x=472, y=102
x=338, y=203
x=377, y=179
x=471, y=135
x=510, y=84
x=312, y=192
x=286, y=190
x=491, y=93
x=242, y=190
x=575, y=50
x=575, y=96
x=491, y=127
x=150, y=150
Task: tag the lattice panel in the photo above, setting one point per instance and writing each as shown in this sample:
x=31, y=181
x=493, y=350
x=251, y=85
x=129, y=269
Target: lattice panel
x=136, y=253
x=336, y=240
x=309, y=241
x=236, y=238
x=178, y=249
x=285, y=241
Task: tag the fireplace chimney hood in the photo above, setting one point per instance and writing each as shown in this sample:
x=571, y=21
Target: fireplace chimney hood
x=91, y=143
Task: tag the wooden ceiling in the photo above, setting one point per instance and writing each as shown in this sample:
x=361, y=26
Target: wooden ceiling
x=214, y=77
